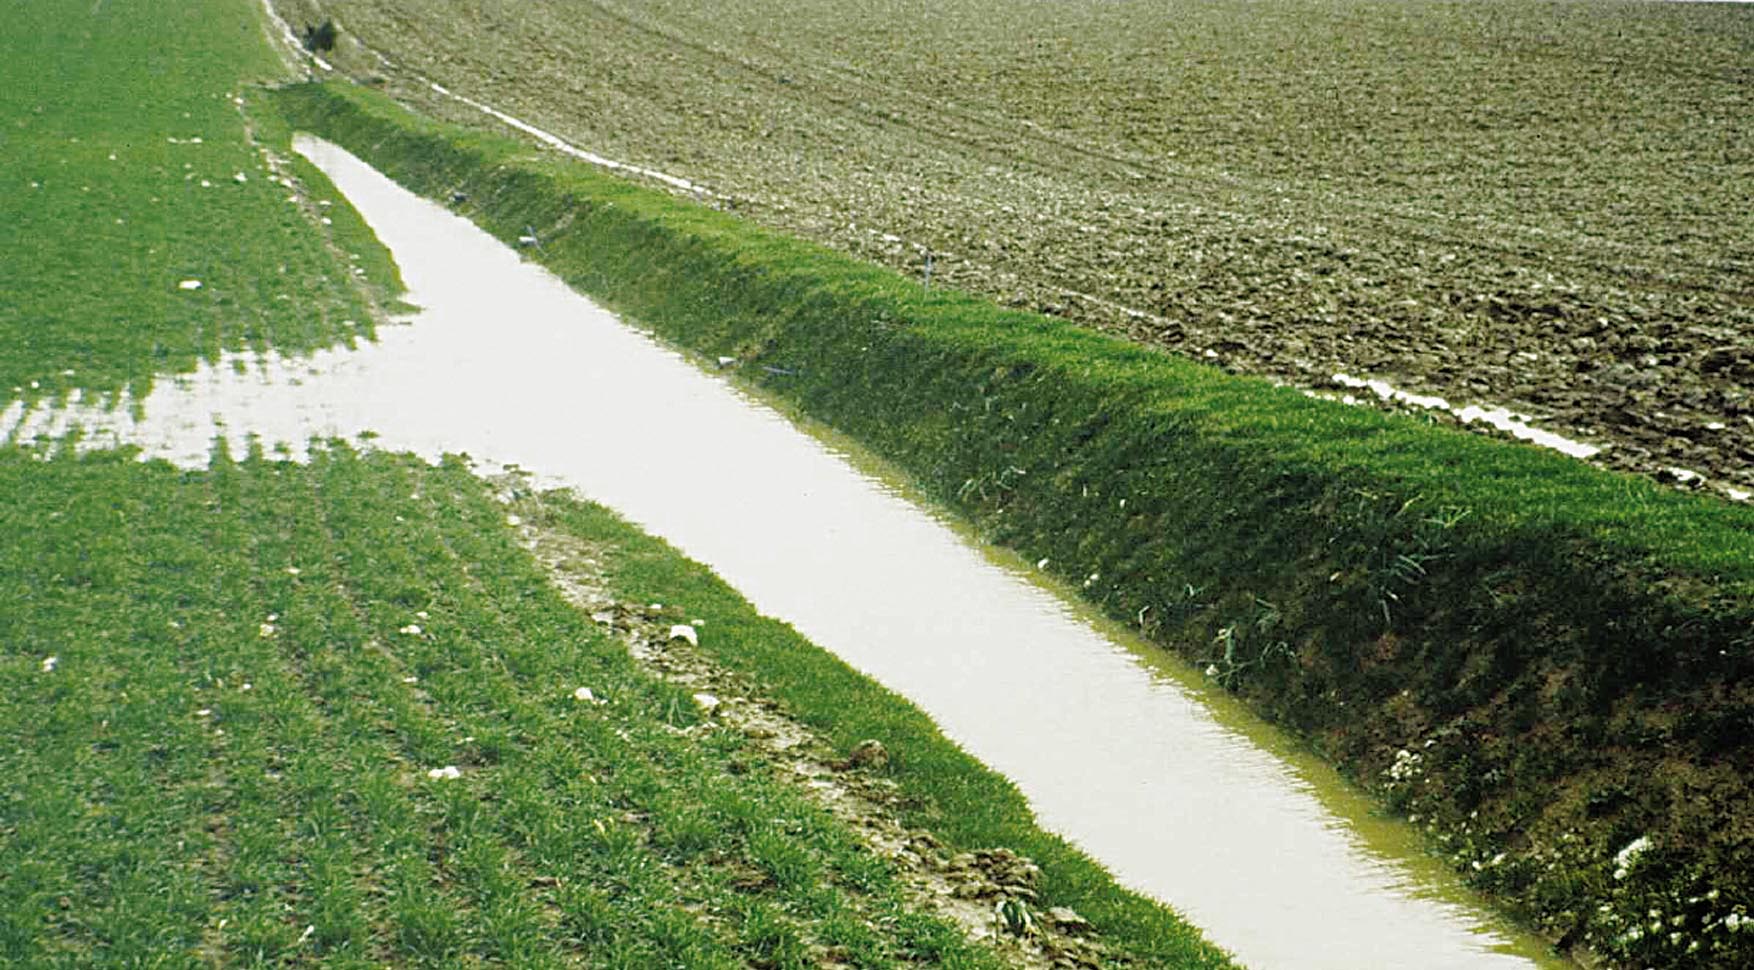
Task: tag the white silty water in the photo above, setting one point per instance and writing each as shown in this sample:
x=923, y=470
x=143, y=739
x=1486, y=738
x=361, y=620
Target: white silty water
x=507, y=364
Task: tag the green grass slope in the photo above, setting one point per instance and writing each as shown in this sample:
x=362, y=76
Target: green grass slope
x=1562, y=654
x=123, y=136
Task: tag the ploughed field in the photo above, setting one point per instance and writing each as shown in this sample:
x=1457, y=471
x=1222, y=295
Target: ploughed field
x=1543, y=206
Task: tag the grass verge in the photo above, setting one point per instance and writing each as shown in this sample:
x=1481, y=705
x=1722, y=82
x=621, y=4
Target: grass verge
x=1543, y=662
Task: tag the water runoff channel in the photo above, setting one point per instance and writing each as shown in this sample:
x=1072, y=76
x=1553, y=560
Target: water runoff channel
x=1133, y=757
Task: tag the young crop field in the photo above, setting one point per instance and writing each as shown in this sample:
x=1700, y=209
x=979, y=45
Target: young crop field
x=1534, y=205
x=147, y=220
x=335, y=714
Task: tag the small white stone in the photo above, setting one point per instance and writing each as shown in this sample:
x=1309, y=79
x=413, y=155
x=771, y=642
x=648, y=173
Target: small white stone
x=683, y=631
x=411, y=679
x=706, y=702
x=412, y=629
x=1041, y=563
x=584, y=694
x=513, y=520
x=49, y=664
x=240, y=178
x=293, y=570
x=189, y=285
x=447, y=772
x=204, y=712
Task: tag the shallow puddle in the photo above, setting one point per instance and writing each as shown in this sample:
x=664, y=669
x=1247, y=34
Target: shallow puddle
x=1187, y=800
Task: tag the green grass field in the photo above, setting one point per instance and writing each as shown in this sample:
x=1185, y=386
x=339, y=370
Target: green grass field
x=129, y=165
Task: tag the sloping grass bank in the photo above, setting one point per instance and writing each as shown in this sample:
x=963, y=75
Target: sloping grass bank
x=1546, y=664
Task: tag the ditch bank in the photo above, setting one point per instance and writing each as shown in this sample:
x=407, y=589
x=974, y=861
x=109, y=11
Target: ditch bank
x=1545, y=665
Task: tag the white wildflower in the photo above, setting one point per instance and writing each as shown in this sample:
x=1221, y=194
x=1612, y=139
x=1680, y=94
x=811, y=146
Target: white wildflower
x=412, y=629
x=1627, y=858
x=240, y=178
x=204, y=712
x=706, y=702
x=1406, y=766
x=411, y=679
x=447, y=772
x=49, y=664
x=265, y=630
x=513, y=520
x=189, y=285
x=293, y=570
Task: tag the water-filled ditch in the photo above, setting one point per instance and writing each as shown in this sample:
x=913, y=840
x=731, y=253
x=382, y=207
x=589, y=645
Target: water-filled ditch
x=1130, y=755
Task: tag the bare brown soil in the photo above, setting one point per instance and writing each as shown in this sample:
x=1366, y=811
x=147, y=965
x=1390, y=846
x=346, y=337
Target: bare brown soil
x=1495, y=203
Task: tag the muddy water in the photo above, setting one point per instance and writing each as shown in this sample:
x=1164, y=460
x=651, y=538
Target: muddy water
x=1181, y=798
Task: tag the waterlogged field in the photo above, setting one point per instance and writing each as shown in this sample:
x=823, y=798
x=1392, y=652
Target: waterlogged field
x=148, y=220
x=1534, y=205
x=271, y=714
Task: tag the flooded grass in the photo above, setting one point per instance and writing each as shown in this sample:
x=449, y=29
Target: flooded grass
x=150, y=216
x=265, y=713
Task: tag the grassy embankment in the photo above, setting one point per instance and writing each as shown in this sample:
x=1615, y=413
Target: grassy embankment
x=1540, y=661
x=225, y=688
